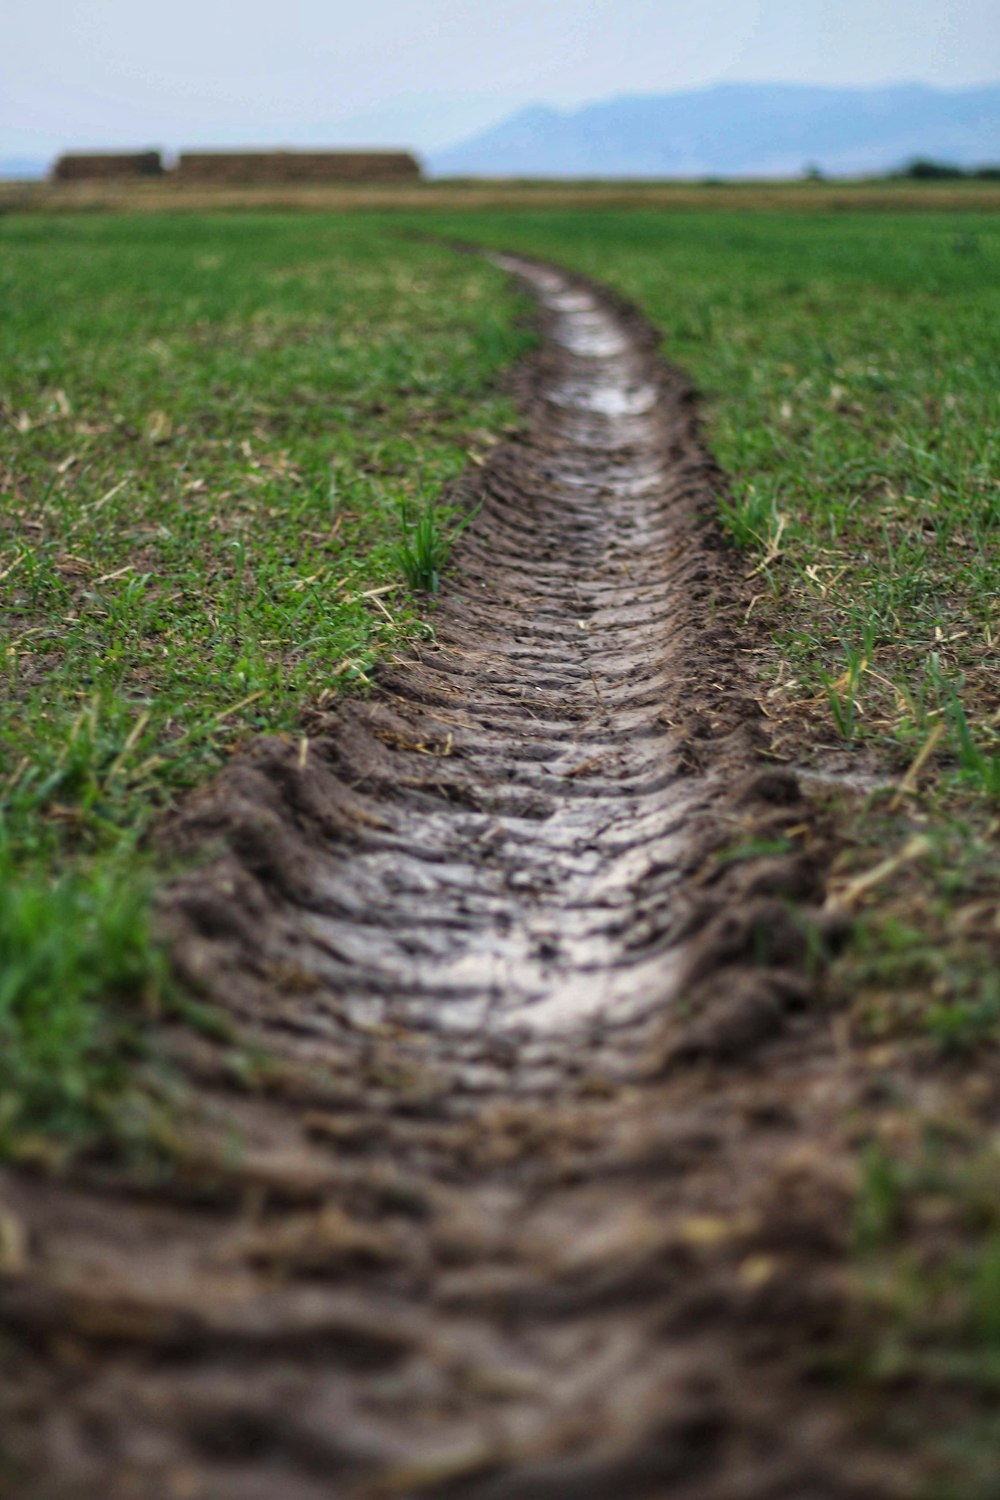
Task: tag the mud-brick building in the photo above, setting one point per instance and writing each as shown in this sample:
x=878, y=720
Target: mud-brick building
x=257, y=167
x=86, y=166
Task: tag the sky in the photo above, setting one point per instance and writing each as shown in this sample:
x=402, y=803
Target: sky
x=426, y=73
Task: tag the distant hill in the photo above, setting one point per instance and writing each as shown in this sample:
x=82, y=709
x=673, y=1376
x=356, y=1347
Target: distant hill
x=738, y=129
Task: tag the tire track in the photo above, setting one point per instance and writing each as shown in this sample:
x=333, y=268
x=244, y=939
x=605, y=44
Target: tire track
x=519, y=1206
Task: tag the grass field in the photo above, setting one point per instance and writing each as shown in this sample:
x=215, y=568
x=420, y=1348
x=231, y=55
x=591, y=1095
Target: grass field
x=218, y=437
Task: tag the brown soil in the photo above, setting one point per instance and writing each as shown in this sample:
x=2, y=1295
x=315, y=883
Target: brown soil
x=174, y=194
x=545, y=1189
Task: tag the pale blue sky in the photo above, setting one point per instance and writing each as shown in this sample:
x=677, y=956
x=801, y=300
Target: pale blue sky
x=77, y=73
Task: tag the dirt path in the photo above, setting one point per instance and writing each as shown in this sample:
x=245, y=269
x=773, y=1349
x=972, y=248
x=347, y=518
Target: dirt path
x=546, y=1193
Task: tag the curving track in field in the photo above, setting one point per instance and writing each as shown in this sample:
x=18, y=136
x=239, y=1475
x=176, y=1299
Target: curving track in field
x=518, y=1207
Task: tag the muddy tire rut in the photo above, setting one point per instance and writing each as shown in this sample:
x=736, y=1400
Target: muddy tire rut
x=540, y=1185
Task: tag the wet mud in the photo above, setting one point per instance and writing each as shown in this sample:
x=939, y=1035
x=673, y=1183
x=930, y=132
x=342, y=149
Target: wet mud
x=540, y=1187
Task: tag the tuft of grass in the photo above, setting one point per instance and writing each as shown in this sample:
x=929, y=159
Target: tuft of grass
x=752, y=519
x=425, y=541
x=842, y=690
x=79, y=981
x=979, y=767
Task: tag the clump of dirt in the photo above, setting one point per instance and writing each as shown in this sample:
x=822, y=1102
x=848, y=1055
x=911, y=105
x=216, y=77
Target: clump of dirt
x=544, y=1187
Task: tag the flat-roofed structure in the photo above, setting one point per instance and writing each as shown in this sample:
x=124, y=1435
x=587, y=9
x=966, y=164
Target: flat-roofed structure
x=88, y=166
x=248, y=167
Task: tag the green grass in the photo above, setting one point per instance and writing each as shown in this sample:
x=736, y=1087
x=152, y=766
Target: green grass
x=210, y=430
x=76, y=966
x=425, y=540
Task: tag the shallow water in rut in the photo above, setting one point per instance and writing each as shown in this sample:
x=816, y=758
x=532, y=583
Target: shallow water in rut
x=539, y=899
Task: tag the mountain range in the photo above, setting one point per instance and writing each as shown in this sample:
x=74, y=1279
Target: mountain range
x=738, y=129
